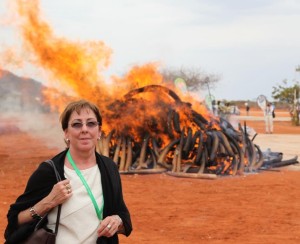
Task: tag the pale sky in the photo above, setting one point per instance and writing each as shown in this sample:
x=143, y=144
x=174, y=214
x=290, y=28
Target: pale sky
x=252, y=44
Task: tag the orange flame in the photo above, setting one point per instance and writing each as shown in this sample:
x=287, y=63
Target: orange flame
x=77, y=66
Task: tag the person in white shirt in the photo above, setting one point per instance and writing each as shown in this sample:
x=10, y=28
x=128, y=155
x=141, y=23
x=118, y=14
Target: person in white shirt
x=268, y=114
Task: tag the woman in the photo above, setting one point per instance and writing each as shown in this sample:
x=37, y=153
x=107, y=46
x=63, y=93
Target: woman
x=80, y=220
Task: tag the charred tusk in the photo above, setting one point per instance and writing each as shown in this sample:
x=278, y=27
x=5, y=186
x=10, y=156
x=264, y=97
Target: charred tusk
x=225, y=142
x=204, y=159
x=106, y=141
x=154, y=88
x=195, y=137
x=252, y=153
x=169, y=122
x=155, y=147
x=260, y=160
x=117, y=151
x=174, y=160
x=215, y=145
x=142, y=158
x=128, y=162
x=200, y=148
x=179, y=156
x=123, y=155
x=199, y=117
x=188, y=142
x=176, y=122
x=162, y=156
x=194, y=175
x=199, y=123
x=153, y=158
x=237, y=150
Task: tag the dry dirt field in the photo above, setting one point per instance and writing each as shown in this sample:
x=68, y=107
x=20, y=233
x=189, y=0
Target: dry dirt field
x=263, y=207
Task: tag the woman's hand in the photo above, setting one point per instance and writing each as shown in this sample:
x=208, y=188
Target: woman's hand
x=60, y=193
x=110, y=225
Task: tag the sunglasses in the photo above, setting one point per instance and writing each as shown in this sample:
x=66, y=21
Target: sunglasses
x=89, y=124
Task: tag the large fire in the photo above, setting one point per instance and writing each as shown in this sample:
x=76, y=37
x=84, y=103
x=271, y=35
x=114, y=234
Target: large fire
x=146, y=125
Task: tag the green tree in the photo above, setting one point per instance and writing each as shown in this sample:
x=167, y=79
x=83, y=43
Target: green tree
x=289, y=93
x=285, y=92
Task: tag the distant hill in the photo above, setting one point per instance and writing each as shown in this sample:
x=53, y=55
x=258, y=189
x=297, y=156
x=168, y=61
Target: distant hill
x=20, y=94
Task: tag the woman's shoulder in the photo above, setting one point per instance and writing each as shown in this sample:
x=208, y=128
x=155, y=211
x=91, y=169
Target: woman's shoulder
x=44, y=172
x=107, y=161
x=45, y=168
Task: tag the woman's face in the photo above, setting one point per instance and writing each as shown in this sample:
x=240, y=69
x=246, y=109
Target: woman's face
x=83, y=130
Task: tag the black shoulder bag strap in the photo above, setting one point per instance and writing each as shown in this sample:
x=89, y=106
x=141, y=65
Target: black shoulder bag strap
x=59, y=206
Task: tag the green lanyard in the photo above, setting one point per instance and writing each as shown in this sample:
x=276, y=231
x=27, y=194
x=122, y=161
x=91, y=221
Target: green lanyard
x=98, y=211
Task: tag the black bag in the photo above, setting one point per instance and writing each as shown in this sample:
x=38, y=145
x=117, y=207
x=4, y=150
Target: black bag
x=273, y=114
x=41, y=234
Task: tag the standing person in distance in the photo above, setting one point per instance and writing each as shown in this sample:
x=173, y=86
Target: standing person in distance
x=81, y=220
x=268, y=114
x=247, y=108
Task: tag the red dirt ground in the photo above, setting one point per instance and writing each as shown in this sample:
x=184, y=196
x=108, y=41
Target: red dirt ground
x=253, y=208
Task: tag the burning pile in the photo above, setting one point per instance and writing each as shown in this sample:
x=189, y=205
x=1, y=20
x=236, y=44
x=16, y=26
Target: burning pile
x=160, y=132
